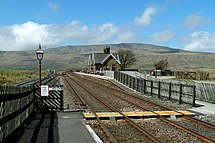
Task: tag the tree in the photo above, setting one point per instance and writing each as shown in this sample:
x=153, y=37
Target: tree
x=127, y=58
x=161, y=64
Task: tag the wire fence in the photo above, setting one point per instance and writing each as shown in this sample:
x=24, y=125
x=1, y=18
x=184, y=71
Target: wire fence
x=183, y=90
x=184, y=93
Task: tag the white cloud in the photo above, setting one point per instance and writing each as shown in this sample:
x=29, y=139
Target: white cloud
x=146, y=18
x=195, y=20
x=126, y=37
x=28, y=35
x=22, y=37
x=162, y=36
x=104, y=32
x=54, y=7
x=200, y=41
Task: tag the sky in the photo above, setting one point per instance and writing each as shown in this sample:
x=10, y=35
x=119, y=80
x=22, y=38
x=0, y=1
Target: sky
x=181, y=24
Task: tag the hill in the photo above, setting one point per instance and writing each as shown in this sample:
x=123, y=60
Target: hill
x=75, y=57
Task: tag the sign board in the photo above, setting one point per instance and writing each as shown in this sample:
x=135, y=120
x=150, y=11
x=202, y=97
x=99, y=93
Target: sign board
x=44, y=90
x=56, y=89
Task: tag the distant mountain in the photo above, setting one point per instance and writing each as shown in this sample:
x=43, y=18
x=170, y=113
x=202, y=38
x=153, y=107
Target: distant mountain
x=75, y=57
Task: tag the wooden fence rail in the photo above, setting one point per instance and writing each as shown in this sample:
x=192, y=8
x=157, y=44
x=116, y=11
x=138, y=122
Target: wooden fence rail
x=181, y=92
x=16, y=105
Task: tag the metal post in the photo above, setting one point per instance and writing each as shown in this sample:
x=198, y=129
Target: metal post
x=144, y=86
x=180, y=94
x=159, y=89
x=151, y=87
x=39, y=54
x=194, y=96
x=170, y=90
x=39, y=70
x=134, y=86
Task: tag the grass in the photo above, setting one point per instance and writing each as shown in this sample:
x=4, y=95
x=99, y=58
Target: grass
x=14, y=76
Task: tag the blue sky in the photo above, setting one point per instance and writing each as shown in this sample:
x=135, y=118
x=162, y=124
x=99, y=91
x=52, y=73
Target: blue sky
x=183, y=24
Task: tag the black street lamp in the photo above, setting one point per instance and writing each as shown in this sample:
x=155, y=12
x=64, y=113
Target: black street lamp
x=39, y=54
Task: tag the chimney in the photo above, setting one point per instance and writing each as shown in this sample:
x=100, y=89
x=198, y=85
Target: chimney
x=107, y=50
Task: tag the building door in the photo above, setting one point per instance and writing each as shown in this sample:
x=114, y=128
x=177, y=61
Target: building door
x=113, y=67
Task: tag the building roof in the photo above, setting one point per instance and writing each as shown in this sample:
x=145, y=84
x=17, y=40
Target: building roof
x=101, y=58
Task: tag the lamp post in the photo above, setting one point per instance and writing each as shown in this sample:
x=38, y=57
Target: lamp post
x=39, y=54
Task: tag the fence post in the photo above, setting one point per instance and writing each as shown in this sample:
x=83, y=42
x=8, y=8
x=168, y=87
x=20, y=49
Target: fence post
x=144, y=86
x=124, y=78
x=180, y=94
x=129, y=81
x=138, y=87
x=194, y=96
x=170, y=90
x=151, y=87
x=134, y=86
x=141, y=85
x=159, y=89
x=114, y=74
x=120, y=77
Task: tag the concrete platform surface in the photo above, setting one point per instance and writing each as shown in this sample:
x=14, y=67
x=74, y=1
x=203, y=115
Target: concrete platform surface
x=205, y=108
x=71, y=129
x=56, y=127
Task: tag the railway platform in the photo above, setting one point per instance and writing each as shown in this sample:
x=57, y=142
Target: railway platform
x=57, y=127
x=67, y=127
x=204, y=108
x=72, y=129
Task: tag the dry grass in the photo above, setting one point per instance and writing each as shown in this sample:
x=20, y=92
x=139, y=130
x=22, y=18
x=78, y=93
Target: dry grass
x=15, y=76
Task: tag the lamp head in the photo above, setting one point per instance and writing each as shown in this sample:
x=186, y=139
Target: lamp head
x=39, y=53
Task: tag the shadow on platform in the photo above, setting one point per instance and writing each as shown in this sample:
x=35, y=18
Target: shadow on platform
x=41, y=128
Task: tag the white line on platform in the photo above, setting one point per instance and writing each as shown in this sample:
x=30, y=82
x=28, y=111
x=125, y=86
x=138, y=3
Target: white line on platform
x=94, y=135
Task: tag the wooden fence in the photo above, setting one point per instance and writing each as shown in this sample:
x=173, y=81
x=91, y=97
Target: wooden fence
x=192, y=75
x=181, y=92
x=16, y=106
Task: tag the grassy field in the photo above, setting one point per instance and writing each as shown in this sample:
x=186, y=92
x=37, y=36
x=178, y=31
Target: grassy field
x=14, y=76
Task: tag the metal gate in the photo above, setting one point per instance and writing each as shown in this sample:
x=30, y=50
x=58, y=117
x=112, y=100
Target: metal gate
x=54, y=101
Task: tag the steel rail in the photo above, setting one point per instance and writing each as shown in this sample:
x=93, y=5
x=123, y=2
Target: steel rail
x=103, y=127
x=141, y=129
x=165, y=108
x=170, y=122
x=184, y=116
x=160, y=117
x=82, y=102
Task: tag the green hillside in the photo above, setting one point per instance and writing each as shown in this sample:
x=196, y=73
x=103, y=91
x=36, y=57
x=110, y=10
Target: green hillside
x=75, y=57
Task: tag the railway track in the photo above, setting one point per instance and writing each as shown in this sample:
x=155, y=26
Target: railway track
x=123, y=100
x=128, y=131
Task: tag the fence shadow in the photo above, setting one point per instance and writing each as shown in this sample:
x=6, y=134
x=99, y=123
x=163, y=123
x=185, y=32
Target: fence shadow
x=43, y=128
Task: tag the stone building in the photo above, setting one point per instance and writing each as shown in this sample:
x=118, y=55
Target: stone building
x=98, y=62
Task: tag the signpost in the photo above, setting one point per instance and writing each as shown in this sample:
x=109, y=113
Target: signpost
x=44, y=90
